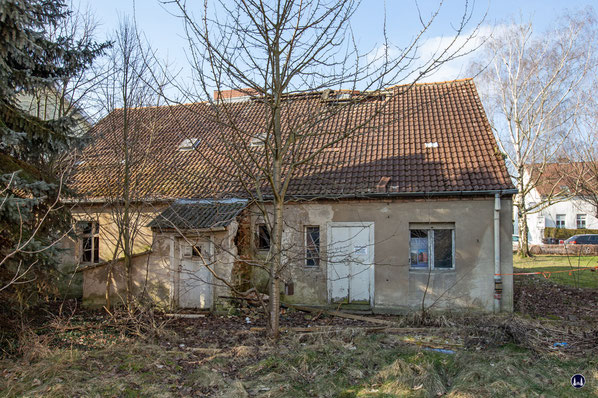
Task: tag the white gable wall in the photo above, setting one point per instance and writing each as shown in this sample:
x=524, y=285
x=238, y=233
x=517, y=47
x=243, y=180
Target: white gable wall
x=547, y=217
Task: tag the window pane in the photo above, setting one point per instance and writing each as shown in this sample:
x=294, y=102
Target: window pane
x=312, y=246
x=419, y=248
x=443, y=248
x=84, y=227
x=560, y=221
x=96, y=250
x=86, y=255
x=263, y=238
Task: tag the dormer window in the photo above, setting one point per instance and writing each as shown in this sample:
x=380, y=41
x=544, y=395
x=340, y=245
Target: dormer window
x=259, y=140
x=189, y=144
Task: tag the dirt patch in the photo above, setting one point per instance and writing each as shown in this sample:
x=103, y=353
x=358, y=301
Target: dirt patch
x=539, y=297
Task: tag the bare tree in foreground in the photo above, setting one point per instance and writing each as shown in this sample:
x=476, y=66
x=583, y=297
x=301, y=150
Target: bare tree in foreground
x=274, y=52
x=125, y=138
x=532, y=89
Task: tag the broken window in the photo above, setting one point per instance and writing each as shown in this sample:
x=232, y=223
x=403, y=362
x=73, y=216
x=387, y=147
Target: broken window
x=432, y=247
x=90, y=241
x=262, y=239
x=312, y=246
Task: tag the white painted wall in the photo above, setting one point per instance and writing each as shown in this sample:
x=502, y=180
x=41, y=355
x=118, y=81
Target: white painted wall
x=547, y=217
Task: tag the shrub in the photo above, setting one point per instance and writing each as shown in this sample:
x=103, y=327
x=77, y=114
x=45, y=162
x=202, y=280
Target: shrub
x=565, y=233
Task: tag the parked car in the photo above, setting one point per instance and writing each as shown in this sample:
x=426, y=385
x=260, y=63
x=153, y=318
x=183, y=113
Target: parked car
x=551, y=241
x=589, y=239
x=515, y=243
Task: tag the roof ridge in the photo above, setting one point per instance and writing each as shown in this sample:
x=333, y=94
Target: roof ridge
x=315, y=92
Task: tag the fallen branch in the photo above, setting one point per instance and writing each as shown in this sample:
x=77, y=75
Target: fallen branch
x=344, y=315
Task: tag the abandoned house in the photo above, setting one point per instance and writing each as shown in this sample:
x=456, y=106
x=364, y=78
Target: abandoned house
x=413, y=206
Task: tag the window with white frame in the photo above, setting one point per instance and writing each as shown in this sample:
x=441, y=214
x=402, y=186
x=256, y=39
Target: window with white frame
x=89, y=232
x=560, y=220
x=312, y=246
x=581, y=221
x=432, y=246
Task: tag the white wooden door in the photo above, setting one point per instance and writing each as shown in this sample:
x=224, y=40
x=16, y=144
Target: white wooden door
x=351, y=262
x=195, y=279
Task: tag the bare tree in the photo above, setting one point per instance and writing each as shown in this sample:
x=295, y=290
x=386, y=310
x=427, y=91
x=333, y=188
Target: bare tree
x=581, y=174
x=532, y=88
x=125, y=137
x=273, y=53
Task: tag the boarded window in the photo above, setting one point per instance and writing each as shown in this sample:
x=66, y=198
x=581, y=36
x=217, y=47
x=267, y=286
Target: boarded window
x=312, y=246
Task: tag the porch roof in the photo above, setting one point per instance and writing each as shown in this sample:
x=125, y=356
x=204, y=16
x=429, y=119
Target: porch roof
x=186, y=214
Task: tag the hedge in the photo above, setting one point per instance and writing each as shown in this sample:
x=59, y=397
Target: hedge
x=565, y=233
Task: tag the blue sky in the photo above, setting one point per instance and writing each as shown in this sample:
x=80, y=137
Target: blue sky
x=165, y=32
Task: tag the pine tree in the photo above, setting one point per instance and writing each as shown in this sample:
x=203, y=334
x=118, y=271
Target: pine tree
x=31, y=218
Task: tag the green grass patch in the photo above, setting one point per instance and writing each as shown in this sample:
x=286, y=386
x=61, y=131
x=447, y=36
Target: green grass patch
x=550, y=264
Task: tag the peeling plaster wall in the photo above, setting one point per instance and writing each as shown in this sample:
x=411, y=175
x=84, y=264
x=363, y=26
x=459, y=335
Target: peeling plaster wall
x=469, y=285
x=150, y=273
x=70, y=260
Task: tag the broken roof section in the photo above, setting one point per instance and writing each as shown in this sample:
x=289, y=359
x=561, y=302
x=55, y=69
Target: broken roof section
x=186, y=214
x=428, y=138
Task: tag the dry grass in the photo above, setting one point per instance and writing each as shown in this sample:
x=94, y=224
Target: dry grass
x=495, y=357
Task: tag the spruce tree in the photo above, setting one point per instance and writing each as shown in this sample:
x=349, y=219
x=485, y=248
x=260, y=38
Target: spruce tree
x=31, y=217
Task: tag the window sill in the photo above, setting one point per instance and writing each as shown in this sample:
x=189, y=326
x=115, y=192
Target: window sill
x=426, y=270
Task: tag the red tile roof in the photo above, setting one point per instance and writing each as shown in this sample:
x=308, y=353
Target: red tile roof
x=425, y=138
x=564, y=178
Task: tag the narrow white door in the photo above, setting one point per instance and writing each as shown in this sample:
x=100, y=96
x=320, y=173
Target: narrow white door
x=195, y=279
x=351, y=262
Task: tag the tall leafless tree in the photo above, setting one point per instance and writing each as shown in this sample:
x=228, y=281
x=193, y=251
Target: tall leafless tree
x=532, y=88
x=124, y=136
x=272, y=51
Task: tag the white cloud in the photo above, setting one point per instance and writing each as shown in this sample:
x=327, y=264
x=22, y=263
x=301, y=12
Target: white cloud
x=462, y=51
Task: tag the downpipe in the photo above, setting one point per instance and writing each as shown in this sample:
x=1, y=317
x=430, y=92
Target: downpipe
x=497, y=278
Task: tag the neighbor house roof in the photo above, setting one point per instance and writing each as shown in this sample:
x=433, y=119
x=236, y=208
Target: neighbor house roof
x=563, y=178
x=412, y=139
x=198, y=214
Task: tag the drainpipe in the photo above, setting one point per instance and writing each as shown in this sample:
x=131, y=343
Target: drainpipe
x=497, y=278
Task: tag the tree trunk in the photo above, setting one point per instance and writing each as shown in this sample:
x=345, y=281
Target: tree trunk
x=522, y=226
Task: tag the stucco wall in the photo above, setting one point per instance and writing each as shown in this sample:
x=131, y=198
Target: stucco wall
x=157, y=274
x=469, y=285
x=150, y=273
x=71, y=282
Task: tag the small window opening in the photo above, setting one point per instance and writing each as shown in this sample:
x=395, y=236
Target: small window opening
x=262, y=240
x=312, y=246
x=259, y=140
x=89, y=241
x=189, y=144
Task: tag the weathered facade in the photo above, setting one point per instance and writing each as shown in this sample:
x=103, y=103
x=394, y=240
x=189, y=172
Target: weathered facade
x=394, y=283
x=414, y=213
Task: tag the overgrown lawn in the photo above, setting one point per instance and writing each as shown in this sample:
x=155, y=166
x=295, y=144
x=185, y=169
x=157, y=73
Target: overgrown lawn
x=347, y=364
x=549, y=264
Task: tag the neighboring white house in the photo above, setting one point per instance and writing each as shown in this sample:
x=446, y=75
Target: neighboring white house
x=567, y=209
